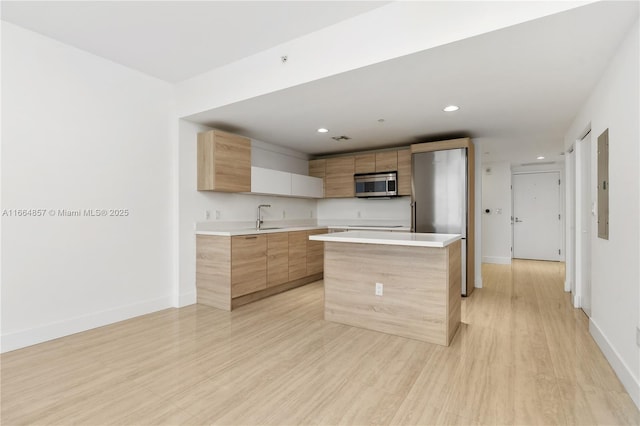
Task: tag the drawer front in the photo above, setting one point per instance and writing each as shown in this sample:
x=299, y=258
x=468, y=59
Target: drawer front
x=248, y=264
x=277, y=258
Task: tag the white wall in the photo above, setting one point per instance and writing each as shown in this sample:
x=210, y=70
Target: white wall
x=613, y=104
x=80, y=132
x=496, y=225
x=390, y=31
x=357, y=211
x=193, y=204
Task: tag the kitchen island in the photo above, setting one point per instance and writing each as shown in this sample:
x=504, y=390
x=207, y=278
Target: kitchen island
x=401, y=283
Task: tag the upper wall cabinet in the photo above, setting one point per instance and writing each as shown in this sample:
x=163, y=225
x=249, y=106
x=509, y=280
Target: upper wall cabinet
x=276, y=182
x=338, y=181
x=224, y=162
x=404, y=171
x=317, y=169
x=386, y=161
x=365, y=163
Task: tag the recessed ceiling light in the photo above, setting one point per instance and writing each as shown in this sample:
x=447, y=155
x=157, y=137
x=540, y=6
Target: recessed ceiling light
x=540, y=157
x=323, y=130
x=451, y=108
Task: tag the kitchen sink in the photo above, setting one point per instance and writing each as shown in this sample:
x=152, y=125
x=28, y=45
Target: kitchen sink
x=269, y=228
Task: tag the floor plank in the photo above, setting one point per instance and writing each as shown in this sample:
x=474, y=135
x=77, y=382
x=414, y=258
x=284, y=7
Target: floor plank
x=522, y=356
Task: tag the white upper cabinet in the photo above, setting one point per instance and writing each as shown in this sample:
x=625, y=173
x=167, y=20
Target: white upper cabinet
x=275, y=182
x=306, y=186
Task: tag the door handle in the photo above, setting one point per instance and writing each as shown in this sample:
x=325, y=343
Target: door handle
x=519, y=220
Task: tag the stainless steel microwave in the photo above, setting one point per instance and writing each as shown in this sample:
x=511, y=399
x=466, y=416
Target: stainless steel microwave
x=376, y=184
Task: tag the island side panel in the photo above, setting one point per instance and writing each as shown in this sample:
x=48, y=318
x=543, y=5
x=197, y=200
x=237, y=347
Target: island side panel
x=414, y=303
x=213, y=271
x=455, y=278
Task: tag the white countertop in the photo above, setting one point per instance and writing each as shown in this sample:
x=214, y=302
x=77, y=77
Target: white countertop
x=372, y=227
x=389, y=238
x=253, y=230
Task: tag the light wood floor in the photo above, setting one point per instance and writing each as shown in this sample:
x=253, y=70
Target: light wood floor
x=522, y=356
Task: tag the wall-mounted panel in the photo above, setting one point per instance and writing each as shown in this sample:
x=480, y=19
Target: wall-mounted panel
x=603, y=185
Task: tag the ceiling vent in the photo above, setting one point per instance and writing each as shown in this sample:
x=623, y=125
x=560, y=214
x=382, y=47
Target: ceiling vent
x=341, y=138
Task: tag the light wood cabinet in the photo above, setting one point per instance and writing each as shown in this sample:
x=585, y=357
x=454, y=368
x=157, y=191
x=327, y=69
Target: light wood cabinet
x=338, y=171
x=339, y=177
x=315, y=253
x=234, y=271
x=404, y=171
x=224, y=162
x=365, y=163
x=386, y=161
x=248, y=264
x=213, y=271
x=317, y=168
x=277, y=258
x=297, y=255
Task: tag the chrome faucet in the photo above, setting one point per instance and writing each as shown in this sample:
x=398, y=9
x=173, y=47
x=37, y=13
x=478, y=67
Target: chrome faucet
x=259, y=220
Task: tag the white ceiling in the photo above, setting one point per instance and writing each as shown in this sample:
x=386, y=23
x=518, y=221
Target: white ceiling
x=176, y=40
x=518, y=88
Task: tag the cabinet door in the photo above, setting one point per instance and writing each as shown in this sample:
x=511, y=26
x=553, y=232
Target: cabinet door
x=315, y=253
x=404, y=172
x=224, y=162
x=386, y=161
x=213, y=271
x=277, y=258
x=306, y=186
x=317, y=168
x=339, y=177
x=297, y=255
x=267, y=181
x=365, y=163
x=248, y=264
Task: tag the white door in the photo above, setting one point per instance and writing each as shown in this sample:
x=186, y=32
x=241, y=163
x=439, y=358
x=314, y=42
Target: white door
x=570, y=215
x=536, y=216
x=584, y=206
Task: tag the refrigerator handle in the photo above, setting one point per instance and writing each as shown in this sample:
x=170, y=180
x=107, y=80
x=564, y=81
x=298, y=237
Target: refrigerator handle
x=413, y=216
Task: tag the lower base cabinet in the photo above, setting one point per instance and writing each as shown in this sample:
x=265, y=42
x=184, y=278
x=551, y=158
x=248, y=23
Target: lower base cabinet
x=233, y=271
x=248, y=264
x=277, y=258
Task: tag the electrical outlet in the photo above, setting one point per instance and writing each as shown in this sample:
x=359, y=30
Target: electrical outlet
x=217, y=214
x=311, y=214
x=283, y=214
x=207, y=214
x=359, y=214
x=379, y=289
x=638, y=336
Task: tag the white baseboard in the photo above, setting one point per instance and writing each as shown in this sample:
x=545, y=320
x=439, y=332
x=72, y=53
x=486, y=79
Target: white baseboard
x=567, y=286
x=630, y=383
x=577, y=303
x=478, y=283
x=32, y=336
x=496, y=259
x=186, y=299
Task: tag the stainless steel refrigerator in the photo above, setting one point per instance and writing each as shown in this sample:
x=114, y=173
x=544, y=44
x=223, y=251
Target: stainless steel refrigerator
x=439, y=203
